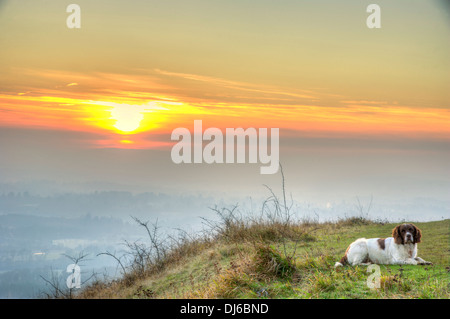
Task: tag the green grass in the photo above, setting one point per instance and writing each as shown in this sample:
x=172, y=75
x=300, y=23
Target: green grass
x=296, y=261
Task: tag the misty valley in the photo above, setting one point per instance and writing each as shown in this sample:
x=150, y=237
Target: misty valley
x=39, y=234
x=35, y=246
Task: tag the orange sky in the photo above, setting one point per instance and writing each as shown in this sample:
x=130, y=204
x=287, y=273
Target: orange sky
x=128, y=106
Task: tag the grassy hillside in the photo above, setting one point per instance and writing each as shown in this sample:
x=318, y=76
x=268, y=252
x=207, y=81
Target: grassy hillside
x=278, y=258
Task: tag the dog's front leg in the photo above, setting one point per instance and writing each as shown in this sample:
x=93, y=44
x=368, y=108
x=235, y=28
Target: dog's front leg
x=407, y=261
x=420, y=261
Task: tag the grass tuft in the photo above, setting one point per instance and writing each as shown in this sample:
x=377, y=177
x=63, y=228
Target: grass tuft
x=270, y=262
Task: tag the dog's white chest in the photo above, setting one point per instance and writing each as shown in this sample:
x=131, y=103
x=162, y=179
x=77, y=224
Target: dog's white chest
x=408, y=250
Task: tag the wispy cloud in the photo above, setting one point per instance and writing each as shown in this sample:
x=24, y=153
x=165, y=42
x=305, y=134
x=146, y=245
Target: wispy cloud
x=243, y=86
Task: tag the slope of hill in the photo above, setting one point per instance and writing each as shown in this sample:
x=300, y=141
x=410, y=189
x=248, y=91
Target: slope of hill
x=277, y=258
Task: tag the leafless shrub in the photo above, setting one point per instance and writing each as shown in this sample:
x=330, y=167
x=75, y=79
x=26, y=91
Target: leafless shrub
x=57, y=281
x=275, y=223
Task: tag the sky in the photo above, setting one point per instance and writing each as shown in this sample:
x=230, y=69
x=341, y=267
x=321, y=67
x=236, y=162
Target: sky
x=361, y=112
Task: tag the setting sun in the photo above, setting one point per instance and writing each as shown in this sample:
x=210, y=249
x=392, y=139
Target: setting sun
x=127, y=117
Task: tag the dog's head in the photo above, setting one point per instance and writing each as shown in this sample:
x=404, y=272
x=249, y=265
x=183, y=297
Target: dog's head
x=406, y=233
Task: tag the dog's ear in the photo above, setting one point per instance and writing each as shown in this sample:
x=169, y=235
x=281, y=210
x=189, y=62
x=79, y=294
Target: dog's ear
x=417, y=234
x=397, y=236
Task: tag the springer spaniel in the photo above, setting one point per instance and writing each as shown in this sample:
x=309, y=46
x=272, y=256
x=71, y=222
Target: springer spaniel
x=401, y=248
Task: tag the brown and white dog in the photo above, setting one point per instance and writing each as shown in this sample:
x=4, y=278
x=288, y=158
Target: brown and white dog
x=401, y=248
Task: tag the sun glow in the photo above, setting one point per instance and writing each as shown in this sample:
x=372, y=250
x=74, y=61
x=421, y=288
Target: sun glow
x=127, y=118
